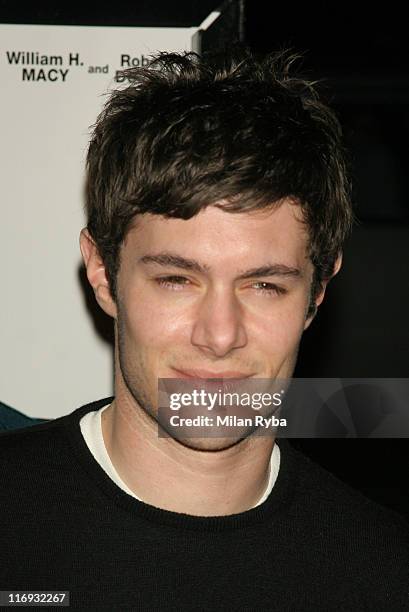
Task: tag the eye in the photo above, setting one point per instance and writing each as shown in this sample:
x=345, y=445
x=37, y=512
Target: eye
x=269, y=288
x=172, y=282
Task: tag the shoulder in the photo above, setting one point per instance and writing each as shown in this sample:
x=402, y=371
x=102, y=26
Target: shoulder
x=338, y=511
x=347, y=538
x=42, y=466
x=34, y=447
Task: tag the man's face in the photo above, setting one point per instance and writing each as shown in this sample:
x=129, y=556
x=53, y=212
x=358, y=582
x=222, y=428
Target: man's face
x=218, y=294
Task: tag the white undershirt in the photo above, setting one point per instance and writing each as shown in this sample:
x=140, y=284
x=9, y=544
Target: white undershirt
x=91, y=429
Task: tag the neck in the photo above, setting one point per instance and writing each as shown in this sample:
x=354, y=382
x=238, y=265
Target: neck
x=169, y=475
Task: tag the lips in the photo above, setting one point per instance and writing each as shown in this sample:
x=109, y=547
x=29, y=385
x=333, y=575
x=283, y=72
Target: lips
x=209, y=381
x=205, y=374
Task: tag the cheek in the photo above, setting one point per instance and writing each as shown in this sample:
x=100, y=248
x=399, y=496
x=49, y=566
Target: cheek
x=148, y=324
x=280, y=331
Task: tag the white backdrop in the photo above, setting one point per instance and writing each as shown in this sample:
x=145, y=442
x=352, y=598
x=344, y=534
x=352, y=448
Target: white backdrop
x=52, y=80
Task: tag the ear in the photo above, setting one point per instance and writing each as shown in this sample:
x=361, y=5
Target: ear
x=320, y=296
x=96, y=273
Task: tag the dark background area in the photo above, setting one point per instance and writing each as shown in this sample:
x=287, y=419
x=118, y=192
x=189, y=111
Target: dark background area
x=361, y=54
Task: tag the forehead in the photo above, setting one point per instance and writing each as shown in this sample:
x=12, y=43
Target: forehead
x=217, y=237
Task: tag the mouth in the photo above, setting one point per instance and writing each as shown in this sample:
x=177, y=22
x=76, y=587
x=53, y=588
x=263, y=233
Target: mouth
x=228, y=380
x=206, y=374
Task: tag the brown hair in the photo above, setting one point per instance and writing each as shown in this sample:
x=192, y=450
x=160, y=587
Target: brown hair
x=188, y=131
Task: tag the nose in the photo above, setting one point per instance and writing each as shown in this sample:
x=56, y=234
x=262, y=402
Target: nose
x=219, y=326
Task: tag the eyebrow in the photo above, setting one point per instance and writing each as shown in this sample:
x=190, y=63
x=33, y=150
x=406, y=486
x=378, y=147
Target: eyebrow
x=184, y=263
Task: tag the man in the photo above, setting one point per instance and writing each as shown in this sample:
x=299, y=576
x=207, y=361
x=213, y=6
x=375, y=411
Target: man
x=217, y=206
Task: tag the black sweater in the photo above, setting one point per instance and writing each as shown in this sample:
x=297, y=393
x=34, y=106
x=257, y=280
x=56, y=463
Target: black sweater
x=313, y=545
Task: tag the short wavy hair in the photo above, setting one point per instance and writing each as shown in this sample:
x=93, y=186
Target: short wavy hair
x=190, y=131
